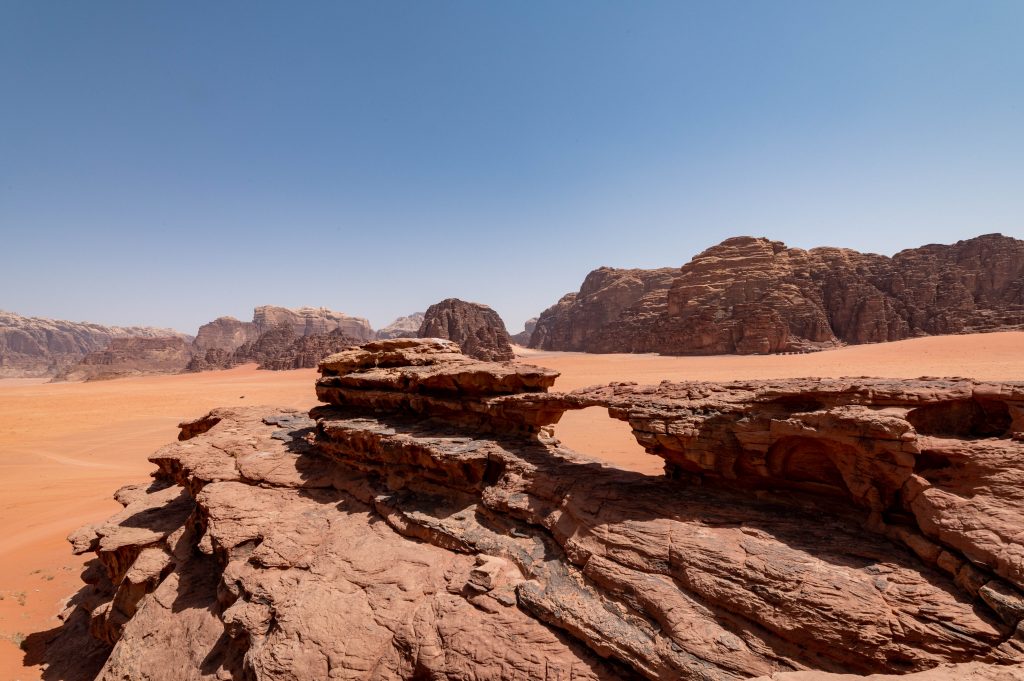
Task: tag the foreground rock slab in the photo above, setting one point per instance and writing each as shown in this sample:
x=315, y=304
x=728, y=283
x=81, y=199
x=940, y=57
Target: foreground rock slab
x=424, y=524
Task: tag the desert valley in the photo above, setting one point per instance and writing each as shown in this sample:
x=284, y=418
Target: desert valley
x=512, y=341
x=881, y=397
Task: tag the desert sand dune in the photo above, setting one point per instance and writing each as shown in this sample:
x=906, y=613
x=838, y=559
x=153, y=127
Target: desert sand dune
x=64, y=448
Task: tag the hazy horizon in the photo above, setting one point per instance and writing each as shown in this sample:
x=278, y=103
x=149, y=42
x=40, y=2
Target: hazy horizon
x=163, y=165
x=247, y=315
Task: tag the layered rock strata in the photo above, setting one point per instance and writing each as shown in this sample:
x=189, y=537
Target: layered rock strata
x=424, y=524
x=32, y=346
x=308, y=321
x=477, y=329
x=752, y=296
x=131, y=357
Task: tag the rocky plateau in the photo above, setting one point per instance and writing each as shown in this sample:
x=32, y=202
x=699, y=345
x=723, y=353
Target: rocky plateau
x=755, y=296
x=425, y=524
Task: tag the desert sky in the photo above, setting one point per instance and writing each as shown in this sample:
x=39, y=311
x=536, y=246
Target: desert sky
x=66, y=447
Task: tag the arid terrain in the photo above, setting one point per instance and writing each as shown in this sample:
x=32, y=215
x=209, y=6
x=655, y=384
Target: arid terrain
x=64, y=448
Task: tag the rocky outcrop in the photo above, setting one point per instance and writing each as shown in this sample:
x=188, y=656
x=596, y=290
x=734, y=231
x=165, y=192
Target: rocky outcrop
x=606, y=294
x=308, y=321
x=523, y=337
x=424, y=524
x=752, y=295
x=476, y=328
x=277, y=338
x=279, y=348
x=403, y=327
x=131, y=357
x=225, y=334
x=305, y=352
x=32, y=346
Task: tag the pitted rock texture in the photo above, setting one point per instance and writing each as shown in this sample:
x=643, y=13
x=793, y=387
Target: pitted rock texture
x=753, y=296
x=477, y=329
x=131, y=357
x=403, y=327
x=423, y=524
x=32, y=346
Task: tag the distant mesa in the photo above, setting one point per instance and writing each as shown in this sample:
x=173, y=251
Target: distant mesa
x=476, y=328
x=523, y=337
x=756, y=296
x=277, y=338
x=403, y=327
x=37, y=347
x=131, y=357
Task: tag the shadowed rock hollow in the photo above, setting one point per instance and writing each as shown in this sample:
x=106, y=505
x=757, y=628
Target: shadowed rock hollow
x=423, y=524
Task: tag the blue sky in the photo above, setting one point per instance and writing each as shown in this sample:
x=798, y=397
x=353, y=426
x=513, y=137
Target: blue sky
x=167, y=163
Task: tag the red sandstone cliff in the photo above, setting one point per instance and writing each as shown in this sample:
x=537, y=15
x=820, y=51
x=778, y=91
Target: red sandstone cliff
x=751, y=295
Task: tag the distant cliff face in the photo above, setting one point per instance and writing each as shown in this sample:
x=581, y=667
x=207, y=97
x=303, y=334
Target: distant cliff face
x=224, y=333
x=523, y=337
x=752, y=295
x=33, y=346
x=311, y=320
x=477, y=329
x=276, y=338
x=131, y=357
x=403, y=327
x=575, y=321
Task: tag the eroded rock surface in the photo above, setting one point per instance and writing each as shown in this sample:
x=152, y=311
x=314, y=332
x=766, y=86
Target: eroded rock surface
x=131, y=357
x=753, y=296
x=424, y=524
x=32, y=346
x=477, y=329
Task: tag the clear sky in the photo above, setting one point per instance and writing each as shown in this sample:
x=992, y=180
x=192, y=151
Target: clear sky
x=167, y=163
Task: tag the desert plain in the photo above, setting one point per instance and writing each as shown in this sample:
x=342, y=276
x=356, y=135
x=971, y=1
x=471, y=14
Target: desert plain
x=65, y=447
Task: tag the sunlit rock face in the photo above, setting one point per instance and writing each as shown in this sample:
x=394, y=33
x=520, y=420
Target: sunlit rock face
x=751, y=295
x=423, y=523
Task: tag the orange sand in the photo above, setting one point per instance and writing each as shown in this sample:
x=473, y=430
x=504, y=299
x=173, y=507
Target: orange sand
x=65, y=447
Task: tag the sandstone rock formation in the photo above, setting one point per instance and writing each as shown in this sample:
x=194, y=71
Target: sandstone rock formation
x=749, y=295
x=32, y=346
x=274, y=338
x=476, y=328
x=226, y=334
x=277, y=348
x=403, y=327
x=606, y=294
x=523, y=337
x=424, y=524
x=306, y=352
x=307, y=321
x=131, y=357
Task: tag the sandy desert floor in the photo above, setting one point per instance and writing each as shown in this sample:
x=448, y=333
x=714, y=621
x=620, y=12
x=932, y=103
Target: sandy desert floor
x=64, y=448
